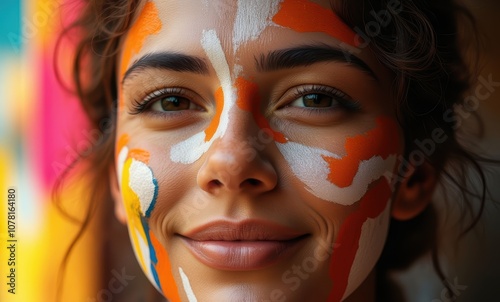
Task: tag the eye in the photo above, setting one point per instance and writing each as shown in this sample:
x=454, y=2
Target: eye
x=172, y=103
x=322, y=98
x=315, y=100
x=166, y=101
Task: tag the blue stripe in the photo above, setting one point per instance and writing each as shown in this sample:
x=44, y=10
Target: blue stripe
x=155, y=196
x=152, y=252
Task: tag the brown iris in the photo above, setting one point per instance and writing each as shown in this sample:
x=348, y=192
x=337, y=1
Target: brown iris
x=317, y=100
x=174, y=103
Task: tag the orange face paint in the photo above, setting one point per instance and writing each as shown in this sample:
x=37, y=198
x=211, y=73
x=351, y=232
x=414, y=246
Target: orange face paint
x=164, y=270
x=380, y=141
x=219, y=104
x=306, y=16
x=139, y=190
x=140, y=155
x=248, y=99
x=122, y=141
x=370, y=206
x=148, y=23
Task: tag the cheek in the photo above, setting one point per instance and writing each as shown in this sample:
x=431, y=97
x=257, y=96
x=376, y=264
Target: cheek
x=136, y=222
x=361, y=178
x=345, y=180
x=360, y=241
x=139, y=191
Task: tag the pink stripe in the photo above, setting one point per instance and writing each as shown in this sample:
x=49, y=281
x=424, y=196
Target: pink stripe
x=60, y=120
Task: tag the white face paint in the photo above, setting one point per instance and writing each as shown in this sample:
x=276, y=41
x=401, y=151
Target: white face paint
x=141, y=181
x=120, y=162
x=252, y=17
x=308, y=165
x=194, y=147
x=142, y=251
x=227, y=48
x=190, y=150
x=187, y=286
x=144, y=186
x=371, y=244
x=141, y=178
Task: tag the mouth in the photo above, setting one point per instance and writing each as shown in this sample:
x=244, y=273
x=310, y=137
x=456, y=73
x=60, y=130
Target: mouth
x=242, y=246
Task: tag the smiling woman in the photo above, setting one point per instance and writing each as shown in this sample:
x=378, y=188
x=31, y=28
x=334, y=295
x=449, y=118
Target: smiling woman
x=288, y=134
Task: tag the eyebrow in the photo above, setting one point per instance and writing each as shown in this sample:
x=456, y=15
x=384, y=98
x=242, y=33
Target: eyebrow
x=306, y=55
x=170, y=61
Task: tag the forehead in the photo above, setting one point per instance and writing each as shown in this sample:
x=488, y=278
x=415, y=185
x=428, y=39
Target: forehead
x=242, y=23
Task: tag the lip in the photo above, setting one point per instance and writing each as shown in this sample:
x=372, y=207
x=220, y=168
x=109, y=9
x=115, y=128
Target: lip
x=242, y=246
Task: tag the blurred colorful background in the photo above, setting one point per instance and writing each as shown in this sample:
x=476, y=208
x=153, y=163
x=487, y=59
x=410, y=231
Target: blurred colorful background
x=40, y=126
x=42, y=130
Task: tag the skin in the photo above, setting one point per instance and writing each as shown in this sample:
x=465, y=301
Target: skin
x=247, y=149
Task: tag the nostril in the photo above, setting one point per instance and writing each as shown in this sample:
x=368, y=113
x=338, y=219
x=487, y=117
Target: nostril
x=214, y=183
x=253, y=181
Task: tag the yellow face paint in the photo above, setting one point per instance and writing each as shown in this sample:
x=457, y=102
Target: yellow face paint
x=136, y=183
x=136, y=230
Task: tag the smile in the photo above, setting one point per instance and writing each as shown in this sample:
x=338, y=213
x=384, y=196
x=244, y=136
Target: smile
x=243, y=246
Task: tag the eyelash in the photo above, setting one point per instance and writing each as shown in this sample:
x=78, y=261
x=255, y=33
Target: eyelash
x=340, y=97
x=143, y=105
x=345, y=101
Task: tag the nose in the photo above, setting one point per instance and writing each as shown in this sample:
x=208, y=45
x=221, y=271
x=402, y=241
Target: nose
x=237, y=164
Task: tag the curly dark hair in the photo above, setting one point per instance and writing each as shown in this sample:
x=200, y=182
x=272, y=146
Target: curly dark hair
x=418, y=40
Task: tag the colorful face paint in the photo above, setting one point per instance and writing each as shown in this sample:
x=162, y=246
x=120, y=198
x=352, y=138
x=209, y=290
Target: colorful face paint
x=306, y=16
x=349, y=175
x=163, y=269
x=194, y=147
x=354, y=254
x=139, y=190
x=249, y=100
x=252, y=17
x=344, y=180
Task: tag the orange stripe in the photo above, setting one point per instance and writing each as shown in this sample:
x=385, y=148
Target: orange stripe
x=382, y=141
x=164, y=269
x=140, y=155
x=147, y=24
x=219, y=104
x=122, y=141
x=248, y=99
x=306, y=16
x=347, y=242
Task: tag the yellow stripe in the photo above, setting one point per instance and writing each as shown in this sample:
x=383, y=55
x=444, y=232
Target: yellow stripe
x=132, y=206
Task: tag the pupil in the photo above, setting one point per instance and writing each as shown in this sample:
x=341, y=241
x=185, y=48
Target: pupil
x=317, y=100
x=174, y=103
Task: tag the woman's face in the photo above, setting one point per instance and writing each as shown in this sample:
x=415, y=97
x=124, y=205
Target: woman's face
x=254, y=146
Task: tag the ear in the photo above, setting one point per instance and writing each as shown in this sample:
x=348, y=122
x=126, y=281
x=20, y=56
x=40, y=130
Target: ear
x=415, y=192
x=117, y=197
